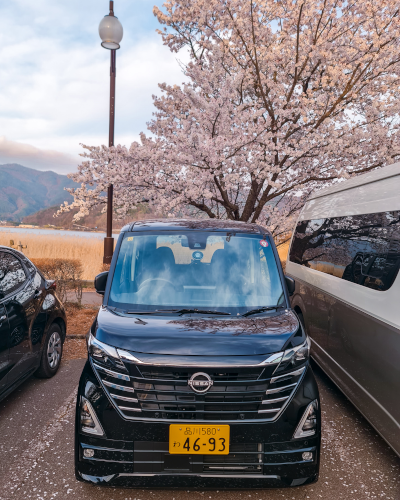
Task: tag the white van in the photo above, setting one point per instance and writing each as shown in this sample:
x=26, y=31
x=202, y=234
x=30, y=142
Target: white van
x=344, y=256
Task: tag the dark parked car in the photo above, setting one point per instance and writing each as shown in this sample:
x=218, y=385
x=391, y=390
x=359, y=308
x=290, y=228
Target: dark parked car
x=32, y=322
x=198, y=370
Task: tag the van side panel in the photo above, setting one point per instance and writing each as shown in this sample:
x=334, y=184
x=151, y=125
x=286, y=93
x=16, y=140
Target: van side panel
x=383, y=306
x=369, y=351
x=359, y=353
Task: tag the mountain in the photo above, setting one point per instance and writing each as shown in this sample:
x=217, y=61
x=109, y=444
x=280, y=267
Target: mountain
x=96, y=219
x=24, y=191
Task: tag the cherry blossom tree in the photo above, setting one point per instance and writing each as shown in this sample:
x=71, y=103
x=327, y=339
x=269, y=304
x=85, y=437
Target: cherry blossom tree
x=281, y=98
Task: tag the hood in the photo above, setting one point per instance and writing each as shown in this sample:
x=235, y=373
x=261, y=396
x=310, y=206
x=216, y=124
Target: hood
x=194, y=335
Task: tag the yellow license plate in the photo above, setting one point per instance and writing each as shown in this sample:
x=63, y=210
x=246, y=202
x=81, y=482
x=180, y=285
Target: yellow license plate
x=199, y=439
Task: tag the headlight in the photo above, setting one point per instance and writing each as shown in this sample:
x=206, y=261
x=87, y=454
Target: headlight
x=104, y=354
x=294, y=357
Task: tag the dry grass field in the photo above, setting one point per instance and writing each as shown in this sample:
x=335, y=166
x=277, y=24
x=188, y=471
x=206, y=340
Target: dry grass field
x=88, y=250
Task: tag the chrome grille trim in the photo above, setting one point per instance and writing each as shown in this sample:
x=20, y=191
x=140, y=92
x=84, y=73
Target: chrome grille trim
x=273, y=359
x=229, y=467
x=119, y=376
x=291, y=374
x=195, y=474
x=118, y=387
x=209, y=393
x=99, y=371
x=123, y=398
x=127, y=408
x=297, y=373
x=280, y=389
x=271, y=410
x=276, y=400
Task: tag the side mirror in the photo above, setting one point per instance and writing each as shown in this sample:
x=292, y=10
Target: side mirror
x=291, y=285
x=100, y=282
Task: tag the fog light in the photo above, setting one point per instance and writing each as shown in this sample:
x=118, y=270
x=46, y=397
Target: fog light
x=308, y=423
x=307, y=455
x=89, y=453
x=89, y=422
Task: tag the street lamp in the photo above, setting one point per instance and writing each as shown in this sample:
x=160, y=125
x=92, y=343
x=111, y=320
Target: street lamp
x=111, y=33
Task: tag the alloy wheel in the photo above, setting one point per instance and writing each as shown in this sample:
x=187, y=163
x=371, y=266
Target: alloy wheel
x=54, y=350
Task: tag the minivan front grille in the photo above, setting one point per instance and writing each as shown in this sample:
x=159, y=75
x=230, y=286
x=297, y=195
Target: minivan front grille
x=249, y=374
x=232, y=397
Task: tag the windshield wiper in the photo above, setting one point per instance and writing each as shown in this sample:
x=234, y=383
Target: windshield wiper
x=201, y=311
x=261, y=309
x=140, y=312
x=177, y=311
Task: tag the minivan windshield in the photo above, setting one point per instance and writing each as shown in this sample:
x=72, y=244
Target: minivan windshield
x=195, y=270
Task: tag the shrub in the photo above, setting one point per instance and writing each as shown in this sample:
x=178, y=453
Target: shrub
x=66, y=272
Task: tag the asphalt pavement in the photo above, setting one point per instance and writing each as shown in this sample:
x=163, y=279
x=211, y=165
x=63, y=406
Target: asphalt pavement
x=36, y=451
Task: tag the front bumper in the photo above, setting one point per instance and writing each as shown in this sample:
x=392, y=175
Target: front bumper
x=135, y=453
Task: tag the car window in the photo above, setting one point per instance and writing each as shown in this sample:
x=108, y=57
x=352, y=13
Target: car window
x=28, y=264
x=363, y=249
x=12, y=274
x=195, y=270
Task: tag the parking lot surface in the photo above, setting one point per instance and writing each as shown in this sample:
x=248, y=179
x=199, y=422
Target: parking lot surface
x=36, y=451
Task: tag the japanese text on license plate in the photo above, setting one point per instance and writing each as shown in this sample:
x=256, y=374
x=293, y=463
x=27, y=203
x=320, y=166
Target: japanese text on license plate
x=199, y=439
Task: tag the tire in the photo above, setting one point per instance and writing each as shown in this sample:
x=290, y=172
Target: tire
x=51, y=354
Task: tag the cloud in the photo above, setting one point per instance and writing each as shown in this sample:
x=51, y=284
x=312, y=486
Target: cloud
x=32, y=157
x=54, y=75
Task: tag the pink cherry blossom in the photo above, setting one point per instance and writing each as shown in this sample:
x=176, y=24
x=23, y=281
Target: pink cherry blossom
x=282, y=97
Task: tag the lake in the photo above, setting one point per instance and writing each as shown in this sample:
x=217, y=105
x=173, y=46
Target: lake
x=58, y=232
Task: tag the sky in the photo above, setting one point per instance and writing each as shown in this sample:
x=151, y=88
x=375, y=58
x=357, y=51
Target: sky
x=54, y=78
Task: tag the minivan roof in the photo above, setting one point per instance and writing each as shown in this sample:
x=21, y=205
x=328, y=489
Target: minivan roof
x=194, y=225
x=360, y=180
x=373, y=192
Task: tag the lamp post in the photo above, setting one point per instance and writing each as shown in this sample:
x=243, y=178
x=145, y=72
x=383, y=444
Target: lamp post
x=111, y=32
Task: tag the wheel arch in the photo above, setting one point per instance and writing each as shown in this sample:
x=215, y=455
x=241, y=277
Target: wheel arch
x=299, y=308
x=61, y=323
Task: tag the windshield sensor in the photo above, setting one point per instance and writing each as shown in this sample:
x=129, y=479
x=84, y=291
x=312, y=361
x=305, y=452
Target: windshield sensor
x=261, y=309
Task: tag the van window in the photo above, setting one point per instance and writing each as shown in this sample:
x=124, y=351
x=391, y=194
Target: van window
x=363, y=249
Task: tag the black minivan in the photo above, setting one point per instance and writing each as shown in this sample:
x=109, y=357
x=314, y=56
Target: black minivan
x=198, y=369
